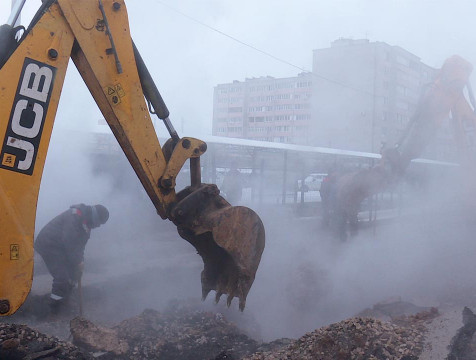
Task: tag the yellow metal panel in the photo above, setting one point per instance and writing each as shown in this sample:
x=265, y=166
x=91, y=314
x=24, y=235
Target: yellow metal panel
x=31, y=83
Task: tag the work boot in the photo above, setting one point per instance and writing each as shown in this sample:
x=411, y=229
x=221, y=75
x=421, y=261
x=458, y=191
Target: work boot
x=56, y=305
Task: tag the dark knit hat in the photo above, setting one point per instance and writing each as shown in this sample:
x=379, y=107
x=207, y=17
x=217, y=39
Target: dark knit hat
x=99, y=215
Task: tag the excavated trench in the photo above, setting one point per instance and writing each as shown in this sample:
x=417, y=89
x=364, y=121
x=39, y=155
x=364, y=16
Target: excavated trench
x=186, y=329
x=391, y=330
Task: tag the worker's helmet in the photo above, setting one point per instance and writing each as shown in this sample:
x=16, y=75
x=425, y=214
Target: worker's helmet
x=99, y=215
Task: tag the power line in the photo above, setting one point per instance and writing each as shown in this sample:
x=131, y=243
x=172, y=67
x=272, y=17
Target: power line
x=261, y=51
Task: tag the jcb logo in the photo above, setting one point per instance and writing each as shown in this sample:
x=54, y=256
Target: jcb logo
x=23, y=135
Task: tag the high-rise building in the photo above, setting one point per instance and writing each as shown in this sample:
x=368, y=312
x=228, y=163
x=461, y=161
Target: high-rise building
x=264, y=108
x=364, y=93
x=360, y=96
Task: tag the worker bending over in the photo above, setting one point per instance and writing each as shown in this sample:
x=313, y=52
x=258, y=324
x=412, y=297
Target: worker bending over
x=61, y=244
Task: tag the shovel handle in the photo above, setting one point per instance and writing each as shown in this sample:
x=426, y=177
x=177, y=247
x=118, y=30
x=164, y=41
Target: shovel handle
x=80, y=289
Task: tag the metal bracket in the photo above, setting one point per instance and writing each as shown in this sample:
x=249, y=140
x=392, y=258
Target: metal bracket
x=186, y=148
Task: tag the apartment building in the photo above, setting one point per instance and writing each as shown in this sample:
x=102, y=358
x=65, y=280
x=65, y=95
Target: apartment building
x=264, y=108
x=360, y=96
x=364, y=93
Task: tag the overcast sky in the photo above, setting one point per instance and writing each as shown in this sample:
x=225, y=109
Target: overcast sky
x=188, y=59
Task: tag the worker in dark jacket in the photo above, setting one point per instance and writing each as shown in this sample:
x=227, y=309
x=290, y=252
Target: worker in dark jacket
x=61, y=244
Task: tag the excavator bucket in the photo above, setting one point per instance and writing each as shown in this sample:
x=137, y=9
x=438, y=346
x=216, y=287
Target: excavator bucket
x=230, y=240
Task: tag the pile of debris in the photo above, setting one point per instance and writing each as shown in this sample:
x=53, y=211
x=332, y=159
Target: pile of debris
x=166, y=336
x=22, y=342
x=187, y=333
x=204, y=335
x=355, y=338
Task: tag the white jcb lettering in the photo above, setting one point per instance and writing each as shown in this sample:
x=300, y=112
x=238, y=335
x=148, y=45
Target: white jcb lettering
x=34, y=91
x=25, y=146
x=28, y=132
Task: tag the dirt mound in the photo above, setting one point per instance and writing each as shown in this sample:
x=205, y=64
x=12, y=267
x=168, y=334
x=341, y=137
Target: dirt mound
x=392, y=308
x=175, y=335
x=22, y=342
x=186, y=333
x=356, y=338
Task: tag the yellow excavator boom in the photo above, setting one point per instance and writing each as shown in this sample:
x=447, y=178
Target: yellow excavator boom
x=95, y=34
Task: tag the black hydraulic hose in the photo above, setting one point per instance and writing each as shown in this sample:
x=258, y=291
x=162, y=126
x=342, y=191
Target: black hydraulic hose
x=152, y=94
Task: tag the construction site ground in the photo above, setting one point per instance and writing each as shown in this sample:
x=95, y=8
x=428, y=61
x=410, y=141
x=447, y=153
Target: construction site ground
x=417, y=263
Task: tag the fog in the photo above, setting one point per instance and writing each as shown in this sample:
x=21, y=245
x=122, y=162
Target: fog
x=307, y=277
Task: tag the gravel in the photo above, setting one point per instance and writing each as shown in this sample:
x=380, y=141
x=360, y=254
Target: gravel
x=355, y=338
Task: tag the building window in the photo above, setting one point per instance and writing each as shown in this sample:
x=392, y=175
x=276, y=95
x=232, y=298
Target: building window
x=402, y=105
x=414, y=66
x=301, y=106
x=303, y=117
x=403, y=61
x=401, y=90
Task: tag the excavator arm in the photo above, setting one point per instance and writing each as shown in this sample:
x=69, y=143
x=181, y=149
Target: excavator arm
x=95, y=35
x=444, y=95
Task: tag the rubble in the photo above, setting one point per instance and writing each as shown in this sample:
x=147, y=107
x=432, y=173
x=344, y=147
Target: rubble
x=355, y=338
x=204, y=335
x=391, y=308
x=187, y=333
x=167, y=336
x=21, y=342
x=90, y=336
